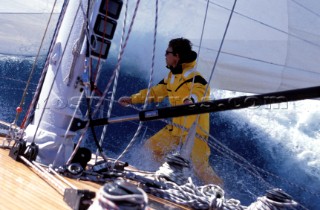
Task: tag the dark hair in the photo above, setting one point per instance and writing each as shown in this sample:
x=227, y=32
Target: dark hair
x=181, y=46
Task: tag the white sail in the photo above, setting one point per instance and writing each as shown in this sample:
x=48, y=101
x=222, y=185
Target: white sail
x=270, y=45
x=23, y=24
x=277, y=47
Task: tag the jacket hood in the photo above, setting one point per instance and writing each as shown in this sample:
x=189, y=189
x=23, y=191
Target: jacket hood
x=190, y=57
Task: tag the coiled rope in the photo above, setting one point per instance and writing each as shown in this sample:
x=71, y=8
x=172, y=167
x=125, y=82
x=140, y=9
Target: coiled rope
x=197, y=197
x=212, y=197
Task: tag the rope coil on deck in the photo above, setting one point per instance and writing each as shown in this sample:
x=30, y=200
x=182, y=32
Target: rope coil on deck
x=175, y=169
x=212, y=197
x=197, y=197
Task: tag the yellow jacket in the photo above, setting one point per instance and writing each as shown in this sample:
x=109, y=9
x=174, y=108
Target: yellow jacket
x=177, y=87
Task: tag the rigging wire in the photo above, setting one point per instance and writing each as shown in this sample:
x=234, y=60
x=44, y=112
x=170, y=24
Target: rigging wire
x=119, y=61
x=196, y=67
x=215, y=62
x=45, y=69
x=55, y=76
x=306, y=8
x=221, y=44
x=102, y=98
x=89, y=113
x=290, y=67
x=201, y=37
x=99, y=148
x=268, y=25
x=104, y=131
x=82, y=95
x=149, y=85
x=34, y=63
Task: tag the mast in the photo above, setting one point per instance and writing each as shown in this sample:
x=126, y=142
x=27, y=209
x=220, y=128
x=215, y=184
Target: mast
x=66, y=63
x=68, y=72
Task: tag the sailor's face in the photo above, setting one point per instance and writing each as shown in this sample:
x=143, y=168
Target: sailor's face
x=171, y=58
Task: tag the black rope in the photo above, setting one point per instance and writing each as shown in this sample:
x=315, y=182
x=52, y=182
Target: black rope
x=92, y=126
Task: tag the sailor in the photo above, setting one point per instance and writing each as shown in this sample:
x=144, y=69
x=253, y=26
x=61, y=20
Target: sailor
x=183, y=85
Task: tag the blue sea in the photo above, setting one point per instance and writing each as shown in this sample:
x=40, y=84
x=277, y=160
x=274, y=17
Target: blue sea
x=282, y=140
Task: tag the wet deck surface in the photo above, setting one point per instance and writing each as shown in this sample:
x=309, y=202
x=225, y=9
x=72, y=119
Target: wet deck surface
x=21, y=188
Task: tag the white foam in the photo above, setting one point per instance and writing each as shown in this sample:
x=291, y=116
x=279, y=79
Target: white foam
x=293, y=126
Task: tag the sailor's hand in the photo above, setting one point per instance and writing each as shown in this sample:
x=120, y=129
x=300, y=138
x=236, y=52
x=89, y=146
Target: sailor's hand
x=125, y=100
x=187, y=101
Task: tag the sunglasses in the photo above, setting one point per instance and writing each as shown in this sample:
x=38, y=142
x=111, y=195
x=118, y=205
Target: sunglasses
x=167, y=52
